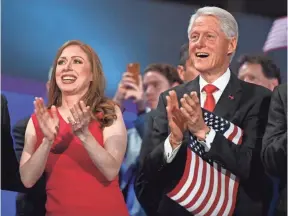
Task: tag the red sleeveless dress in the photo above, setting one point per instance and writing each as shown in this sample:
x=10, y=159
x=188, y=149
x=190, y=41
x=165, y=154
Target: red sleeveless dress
x=74, y=185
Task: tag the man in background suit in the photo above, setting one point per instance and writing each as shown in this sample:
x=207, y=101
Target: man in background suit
x=274, y=152
x=260, y=70
x=10, y=178
x=186, y=73
x=213, y=35
x=156, y=79
x=32, y=201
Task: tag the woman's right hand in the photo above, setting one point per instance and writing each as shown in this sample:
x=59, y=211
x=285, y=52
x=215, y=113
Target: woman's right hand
x=48, y=124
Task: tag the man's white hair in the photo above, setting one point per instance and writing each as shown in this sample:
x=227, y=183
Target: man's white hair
x=228, y=23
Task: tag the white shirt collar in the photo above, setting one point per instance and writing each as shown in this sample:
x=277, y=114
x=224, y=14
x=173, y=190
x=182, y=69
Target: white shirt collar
x=147, y=109
x=220, y=83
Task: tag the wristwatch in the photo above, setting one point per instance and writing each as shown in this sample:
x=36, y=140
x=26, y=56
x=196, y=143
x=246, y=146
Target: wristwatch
x=206, y=135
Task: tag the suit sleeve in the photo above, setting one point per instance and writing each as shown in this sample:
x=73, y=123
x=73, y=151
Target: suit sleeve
x=274, y=152
x=5, y=117
x=154, y=173
x=139, y=124
x=9, y=166
x=146, y=145
x=18, y=132
x=239, y=159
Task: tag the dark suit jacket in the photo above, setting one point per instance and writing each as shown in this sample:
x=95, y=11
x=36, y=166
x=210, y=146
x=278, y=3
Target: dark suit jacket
x=248, y=110
x=32, y=202
x=139, y=124
x=10, y=178
x=274, y=152
x=147, y=146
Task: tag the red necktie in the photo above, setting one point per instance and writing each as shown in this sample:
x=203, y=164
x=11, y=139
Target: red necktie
x=210, y=101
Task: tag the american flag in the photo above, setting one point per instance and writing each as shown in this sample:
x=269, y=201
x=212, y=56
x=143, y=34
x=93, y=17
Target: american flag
x=206, y=188
x=277, y=37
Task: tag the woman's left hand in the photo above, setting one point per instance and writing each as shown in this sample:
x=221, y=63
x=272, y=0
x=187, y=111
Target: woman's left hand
x=80, y=119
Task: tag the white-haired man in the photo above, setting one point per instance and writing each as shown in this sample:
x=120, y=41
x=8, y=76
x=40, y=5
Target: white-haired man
x=207, y=133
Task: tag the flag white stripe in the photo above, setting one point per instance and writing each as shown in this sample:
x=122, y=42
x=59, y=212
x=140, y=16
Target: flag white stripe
x=277, y=36
x=222, y=194
x=279, y=43
x=198, y=181
x=229, y=131
x=214, y=191
x=275, y=40
x=231, y=187
x=238, y=136
x=205, y=189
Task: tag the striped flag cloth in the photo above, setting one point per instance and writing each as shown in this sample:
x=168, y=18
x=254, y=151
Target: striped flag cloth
x=206, y=188
x=277, y=37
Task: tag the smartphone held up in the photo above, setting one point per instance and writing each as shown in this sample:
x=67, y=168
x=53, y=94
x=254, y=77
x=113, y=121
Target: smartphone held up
x=134, y=69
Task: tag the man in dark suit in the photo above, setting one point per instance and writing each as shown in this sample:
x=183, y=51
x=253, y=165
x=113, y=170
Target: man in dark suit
x=30, y=202
x=213, y=35
x=260, y=70
x=10, y=178
x=156, y=79
x=186, y=72
x=274, y=152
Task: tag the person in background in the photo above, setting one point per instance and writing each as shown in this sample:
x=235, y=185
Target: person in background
x=10, y=179
x=32, y=201
x=186, y=73
x=79, y=141
x=274, y=150
x=156, y=79
x=260, y=70
x=185, y=68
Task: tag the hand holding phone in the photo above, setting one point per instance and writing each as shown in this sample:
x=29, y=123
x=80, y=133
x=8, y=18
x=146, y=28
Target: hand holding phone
x=134, y=69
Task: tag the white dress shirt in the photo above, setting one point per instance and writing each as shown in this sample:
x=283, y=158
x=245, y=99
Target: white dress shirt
x=221, y=84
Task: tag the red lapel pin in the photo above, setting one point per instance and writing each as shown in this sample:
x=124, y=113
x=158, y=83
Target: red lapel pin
x=231, y=97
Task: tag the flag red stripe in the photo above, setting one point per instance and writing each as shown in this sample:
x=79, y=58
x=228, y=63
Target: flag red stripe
x=235, y=190
x=224, y=205
x=240, y=140
x=202, y=184
x=185, y=175
x=217, y=197
x=207, y=198
x=194, y=180
x=233, y=134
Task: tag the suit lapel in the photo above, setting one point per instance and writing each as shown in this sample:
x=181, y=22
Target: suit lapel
x=189, y=87
x=192, y=86
x=230, y=99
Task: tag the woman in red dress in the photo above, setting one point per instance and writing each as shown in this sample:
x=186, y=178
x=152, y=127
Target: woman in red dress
x=79, y=141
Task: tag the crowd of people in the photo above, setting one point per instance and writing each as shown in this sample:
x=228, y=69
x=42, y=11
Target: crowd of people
x=206, y=141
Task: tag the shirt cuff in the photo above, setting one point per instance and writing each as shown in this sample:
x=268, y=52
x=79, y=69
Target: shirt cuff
x=170, y=153
x=209, y=139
